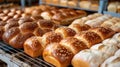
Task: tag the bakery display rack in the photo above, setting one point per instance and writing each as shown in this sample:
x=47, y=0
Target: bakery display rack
x=17, y=58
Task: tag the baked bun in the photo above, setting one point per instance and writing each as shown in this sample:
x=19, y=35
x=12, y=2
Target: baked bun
x=73, y=44
x=113, y=61
x=109, y=50
x=18, y=40
x=8, y=35
x=1, y=32
x=65, y=32
x=33, y=46
x=110, y=41
x=103, y=32
x=117, y=38
x=117, y=53
x=78, y=28
x=51, y=37
x=88, y=37
x=87, y=58
x=57, y=55
x=116, y=27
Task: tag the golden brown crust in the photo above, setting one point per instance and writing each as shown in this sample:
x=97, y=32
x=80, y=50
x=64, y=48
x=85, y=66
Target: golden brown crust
x=25, y=19
x=2, y=23
x=65, y=32
x=33, y=47
x=103, y=32
x=28, y=27
x=45, y=24
x=8, y=35
x=89, y=38
x=78, y=28
x=57, y=55
x=10, y=25
x=12, y=20
x=51, y=37
x=38, y=32
x=18, y=40
x=73, y=44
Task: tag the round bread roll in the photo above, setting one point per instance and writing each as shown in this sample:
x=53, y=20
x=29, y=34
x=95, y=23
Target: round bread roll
x=88, y=58
x=113, y=61
x=33, y=46
x=65, y=32
x=57, y=55
x=46, y=15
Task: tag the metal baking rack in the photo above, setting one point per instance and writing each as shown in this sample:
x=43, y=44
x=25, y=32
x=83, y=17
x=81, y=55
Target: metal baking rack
x=17, y=58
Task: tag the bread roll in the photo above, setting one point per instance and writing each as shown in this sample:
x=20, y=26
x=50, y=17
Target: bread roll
x=89, y=38
x=117, y=37
x=65, y=32
x=108, y=50
x=110, y=41
x=117, y=53
x=8, y=35
x=33, y=46
x=57, y=55
x=46, y=15
x=51, y=37
x=25, y=19
x=87, y=58
x=113, y=61
x=28, y=27
x=18, y=40
x=116, y=27
x=103, y=32
x=73, y=44
x=78, y=28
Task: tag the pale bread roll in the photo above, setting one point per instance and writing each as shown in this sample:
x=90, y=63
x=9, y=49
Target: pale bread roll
x=117, y=53
x=87, y=58
x=113, y=61
x=109, y=50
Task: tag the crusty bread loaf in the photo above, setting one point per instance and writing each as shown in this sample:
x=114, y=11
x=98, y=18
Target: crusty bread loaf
x=33, y=46
x=57, y=55
x=88, y=37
